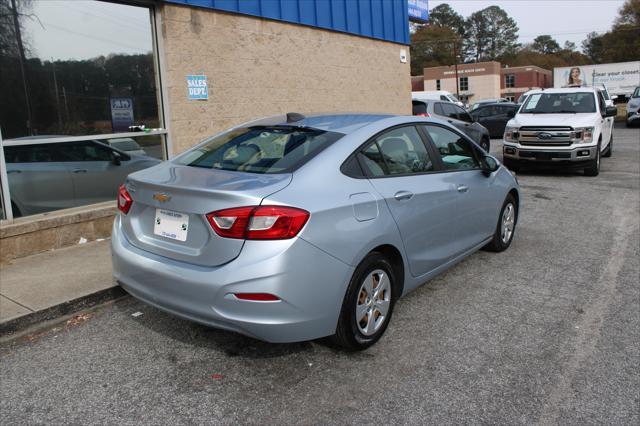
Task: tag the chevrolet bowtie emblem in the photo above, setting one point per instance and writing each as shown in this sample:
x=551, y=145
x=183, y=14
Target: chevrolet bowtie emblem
x=159, y=196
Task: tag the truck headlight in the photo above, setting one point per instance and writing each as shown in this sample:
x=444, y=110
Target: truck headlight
x=584, y=134
x=511, y=134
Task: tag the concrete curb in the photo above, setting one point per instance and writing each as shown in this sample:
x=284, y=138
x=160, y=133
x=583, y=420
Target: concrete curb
x=18, y=324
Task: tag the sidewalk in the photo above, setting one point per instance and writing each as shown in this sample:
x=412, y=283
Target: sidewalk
x=55, y=283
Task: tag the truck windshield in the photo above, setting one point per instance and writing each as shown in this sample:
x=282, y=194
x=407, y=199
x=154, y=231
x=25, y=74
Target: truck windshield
x=559, y=103
x=260, y=149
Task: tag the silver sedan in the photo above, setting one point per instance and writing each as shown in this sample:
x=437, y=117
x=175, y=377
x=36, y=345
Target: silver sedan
x=295, y=228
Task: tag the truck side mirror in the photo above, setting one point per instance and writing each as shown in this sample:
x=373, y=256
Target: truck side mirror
x=611, y=111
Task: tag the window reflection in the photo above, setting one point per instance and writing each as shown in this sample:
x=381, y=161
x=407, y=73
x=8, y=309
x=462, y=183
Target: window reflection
x=45, y=176
x=75, y=68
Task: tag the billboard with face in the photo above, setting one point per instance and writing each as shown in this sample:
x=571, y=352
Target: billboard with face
x=619, y=78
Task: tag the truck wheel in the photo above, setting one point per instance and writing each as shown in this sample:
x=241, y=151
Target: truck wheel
x=609, y=148
x=485, y=144
x=594, y=168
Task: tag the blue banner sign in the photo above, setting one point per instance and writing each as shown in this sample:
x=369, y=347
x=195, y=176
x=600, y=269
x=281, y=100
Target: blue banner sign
x=121, y=114
x=197, y=86
x=418, y=10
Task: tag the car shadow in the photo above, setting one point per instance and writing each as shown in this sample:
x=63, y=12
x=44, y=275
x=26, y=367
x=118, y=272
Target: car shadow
x=230, y=343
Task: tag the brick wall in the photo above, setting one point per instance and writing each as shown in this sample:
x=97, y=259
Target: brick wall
x=257, y=67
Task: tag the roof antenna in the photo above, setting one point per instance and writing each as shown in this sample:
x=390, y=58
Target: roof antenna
x=292, y=117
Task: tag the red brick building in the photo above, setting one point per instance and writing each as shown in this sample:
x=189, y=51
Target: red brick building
x=484, y=80
x=515, y=81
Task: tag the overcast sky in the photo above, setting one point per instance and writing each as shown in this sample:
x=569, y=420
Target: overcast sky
x=80, y=29
x=563, y=19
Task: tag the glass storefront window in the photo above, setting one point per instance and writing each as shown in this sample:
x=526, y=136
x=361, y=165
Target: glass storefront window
x=80, y=105
x=76, y=68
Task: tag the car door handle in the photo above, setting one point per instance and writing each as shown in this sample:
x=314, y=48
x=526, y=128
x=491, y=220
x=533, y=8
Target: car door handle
x=403, y=195
x=14, y=171
x=80, y=171
x=450, y=121
x=463, y=188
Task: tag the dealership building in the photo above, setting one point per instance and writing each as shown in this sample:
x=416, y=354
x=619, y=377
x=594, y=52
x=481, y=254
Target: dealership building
x=158, y=77
x=484, y=80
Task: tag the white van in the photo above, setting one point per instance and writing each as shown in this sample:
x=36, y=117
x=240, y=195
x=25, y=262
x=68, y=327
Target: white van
x=438, y=95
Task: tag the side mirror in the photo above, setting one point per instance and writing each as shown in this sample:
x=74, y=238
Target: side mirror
x=488, y=164
x=511, y=113
x=116, y=158
x=611, y=111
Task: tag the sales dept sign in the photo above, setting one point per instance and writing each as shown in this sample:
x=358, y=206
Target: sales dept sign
x=197, y=86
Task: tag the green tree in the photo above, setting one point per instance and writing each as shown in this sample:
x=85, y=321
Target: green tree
x=444, y=16
x=569, y=46
x=622, y=42
x=432, y=46
x=545, y=44
x=490, y=33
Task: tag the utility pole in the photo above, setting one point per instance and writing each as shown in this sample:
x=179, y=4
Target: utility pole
x=25, y=83
x=55, y=85
x=455, y=61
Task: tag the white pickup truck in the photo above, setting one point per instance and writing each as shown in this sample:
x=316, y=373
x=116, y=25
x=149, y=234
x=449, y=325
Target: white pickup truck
x=560, y=127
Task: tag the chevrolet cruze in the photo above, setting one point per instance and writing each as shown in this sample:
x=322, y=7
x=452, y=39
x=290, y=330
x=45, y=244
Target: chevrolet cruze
x=293, y=228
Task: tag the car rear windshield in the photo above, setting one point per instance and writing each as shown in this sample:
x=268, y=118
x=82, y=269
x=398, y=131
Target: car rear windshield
x=260, y=149
x=559, y=103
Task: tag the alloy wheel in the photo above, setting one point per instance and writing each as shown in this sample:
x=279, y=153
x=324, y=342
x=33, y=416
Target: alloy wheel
x=374, y=300
x=508, y=223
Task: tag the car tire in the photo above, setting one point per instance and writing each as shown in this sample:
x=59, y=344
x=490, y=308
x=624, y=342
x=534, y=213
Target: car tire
x=511, y=164
x=372, y=287
x=506, y=227
x=594, y=166
x=485, y=143
x=609, y=151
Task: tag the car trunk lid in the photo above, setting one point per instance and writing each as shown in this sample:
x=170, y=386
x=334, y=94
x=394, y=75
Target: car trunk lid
x=170, y=202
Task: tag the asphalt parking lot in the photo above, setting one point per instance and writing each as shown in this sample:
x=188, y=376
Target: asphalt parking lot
x=547, y=332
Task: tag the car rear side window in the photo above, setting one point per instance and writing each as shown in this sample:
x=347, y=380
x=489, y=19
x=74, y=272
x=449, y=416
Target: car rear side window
x=456, y=152
x=419, y=108
x=260, y=149
x=437, y=108
x=399, y=151
x=36, y=153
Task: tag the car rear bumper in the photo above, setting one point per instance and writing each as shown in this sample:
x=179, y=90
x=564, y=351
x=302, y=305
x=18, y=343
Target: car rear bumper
x=575, y=157
x=310, y=283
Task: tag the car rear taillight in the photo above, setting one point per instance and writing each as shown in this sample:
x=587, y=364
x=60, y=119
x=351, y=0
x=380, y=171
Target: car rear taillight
x=124, y=200
x=424, y=114
x=258, y=222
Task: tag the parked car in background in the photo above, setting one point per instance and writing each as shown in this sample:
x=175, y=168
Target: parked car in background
x=633, y=107
x=494, y=117
x=633, y=120
x=441, y=95
x=487, y=101
x=128, y=145
x=560, y=127
x=239, y=233
x=45, y=176
x=456, y=116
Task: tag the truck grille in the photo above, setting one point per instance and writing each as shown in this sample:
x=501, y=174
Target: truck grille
x=546, y=136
